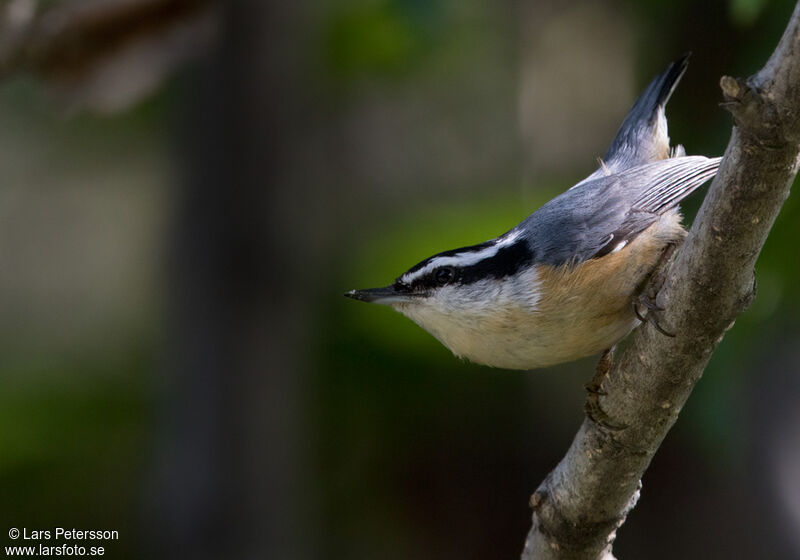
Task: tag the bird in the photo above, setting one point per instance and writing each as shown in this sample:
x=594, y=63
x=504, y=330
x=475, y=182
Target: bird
x=566, y=282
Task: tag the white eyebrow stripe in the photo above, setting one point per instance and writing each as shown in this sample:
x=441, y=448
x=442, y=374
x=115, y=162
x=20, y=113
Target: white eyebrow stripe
x=466, y=258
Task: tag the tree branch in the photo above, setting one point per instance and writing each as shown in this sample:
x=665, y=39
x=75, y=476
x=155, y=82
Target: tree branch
x=103, y=54
x=707, y=284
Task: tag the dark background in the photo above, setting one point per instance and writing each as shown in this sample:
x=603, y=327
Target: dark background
x=188, y=190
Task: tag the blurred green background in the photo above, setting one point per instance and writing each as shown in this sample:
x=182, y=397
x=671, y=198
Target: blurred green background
x=188, y=190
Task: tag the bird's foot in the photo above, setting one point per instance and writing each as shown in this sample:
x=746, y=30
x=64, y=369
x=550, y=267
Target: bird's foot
x=649, y=293
x=648, y=301
x=595, y=389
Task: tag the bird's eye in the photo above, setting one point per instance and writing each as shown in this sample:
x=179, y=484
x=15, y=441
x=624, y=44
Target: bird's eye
x=445, y=275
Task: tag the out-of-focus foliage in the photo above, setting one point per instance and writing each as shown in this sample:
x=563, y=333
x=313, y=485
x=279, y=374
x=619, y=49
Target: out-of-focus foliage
x=380, y=37
x=745, y=12
x=81, y=227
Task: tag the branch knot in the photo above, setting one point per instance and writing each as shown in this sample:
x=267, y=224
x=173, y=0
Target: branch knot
x=755, y=113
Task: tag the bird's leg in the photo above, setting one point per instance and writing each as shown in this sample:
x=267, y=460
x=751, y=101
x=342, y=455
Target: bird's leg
x=648, y=292
x=594, y=387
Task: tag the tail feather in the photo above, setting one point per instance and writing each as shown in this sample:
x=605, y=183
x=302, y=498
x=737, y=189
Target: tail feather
x=643, y=137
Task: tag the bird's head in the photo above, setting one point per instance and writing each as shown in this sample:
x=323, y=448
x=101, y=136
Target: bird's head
x=461, y=292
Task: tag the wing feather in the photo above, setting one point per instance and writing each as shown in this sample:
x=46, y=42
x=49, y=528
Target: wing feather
x=594, y=218
x=668, y=182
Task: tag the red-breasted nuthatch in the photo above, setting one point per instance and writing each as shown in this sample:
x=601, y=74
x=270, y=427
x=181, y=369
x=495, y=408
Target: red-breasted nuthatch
x=564, y=283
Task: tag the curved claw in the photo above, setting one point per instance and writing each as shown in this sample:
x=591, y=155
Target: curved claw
x=650, y=317
x=658, y=327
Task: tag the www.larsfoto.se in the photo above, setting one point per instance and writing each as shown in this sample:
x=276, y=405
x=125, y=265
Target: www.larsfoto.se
x=61, y=550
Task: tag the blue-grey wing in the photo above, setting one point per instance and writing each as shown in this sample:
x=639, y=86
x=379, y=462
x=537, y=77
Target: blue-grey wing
x=643, y=137
x=591, y=220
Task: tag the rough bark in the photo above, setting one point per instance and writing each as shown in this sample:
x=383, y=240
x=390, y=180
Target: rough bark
x=707, y=284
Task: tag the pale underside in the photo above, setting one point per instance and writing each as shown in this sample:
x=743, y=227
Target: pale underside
x=551, y=314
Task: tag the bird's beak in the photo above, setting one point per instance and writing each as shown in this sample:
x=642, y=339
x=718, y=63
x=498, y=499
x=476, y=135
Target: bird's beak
x=384, y=296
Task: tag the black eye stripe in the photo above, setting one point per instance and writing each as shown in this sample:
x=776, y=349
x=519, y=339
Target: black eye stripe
x=507, y=261
x=401, y=287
